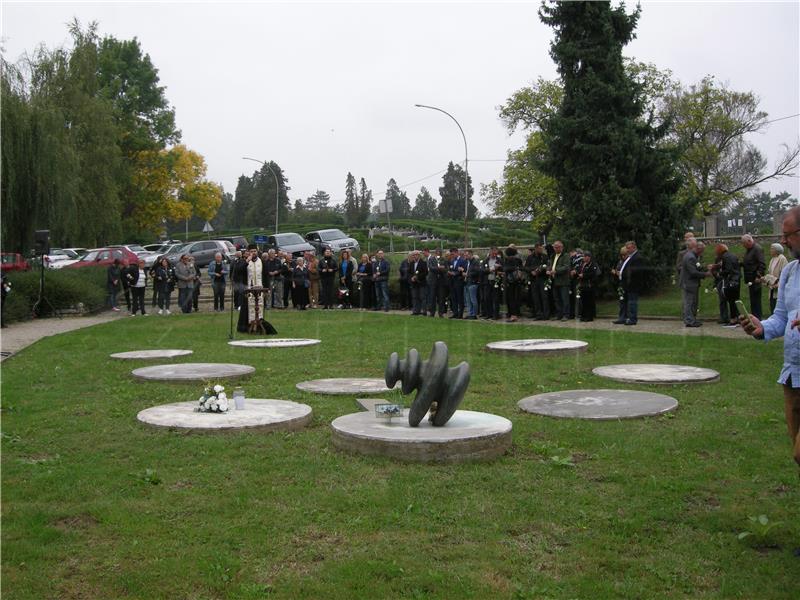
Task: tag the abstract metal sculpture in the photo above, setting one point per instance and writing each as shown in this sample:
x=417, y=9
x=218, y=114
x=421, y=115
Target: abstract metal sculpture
x=439, y=389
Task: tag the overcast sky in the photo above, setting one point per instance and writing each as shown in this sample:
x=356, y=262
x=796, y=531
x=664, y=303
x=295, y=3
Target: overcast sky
x=329, y=87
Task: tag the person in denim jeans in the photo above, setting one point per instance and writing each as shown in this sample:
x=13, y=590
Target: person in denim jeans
x=380, y=274
x=472, y=274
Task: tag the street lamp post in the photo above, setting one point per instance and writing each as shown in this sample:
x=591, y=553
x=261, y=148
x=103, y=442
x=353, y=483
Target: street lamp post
x=466, y=168
x=277, y=187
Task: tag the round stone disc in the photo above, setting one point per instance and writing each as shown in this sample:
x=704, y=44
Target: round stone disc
x=538, y=346
x=269, y=415
x=193, y=371
x=598, y=404
x=468, y=435
x=274, y=343
x=344, y=386
x=653, y=373
x=150, y=354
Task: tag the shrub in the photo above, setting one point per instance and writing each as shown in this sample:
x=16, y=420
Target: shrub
x=63, y=289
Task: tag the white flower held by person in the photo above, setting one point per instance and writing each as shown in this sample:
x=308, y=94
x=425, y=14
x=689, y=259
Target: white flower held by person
x=218, y=388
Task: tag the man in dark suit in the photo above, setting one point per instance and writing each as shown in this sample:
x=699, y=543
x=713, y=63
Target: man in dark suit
x=417, y=281
x=431, y=283
x=559, y=269
x=690, y=278
x=754, y=268
x=455, y=274
x=632, y=280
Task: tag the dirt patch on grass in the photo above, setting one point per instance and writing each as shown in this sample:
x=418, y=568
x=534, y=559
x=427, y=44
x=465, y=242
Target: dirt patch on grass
x=79, y=522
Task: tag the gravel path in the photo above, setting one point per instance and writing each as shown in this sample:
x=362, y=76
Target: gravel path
x=17, y=336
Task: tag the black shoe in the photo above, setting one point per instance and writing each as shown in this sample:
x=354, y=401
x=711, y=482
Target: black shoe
x=695, y=324
x=472, y=318
x=630, y=322
x=618, y=322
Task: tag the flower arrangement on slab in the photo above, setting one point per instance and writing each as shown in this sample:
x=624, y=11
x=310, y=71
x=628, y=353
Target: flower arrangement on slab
x=213, y=400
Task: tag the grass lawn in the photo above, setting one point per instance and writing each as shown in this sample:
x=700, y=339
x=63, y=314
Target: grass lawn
x=96, y=505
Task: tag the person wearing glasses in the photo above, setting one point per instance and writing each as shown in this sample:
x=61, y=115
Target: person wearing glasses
x=785, y=321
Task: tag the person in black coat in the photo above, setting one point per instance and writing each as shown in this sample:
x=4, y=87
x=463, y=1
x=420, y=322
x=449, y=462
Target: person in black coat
x=587, y=274
x=754, y=267
x=128, y=273
x=417, y=281
x=327, y=278
x=113, y=277
x=364, y=284
x=238, y=279
x=537, y=265
x=514, y=275
x=405, y=288
x=300, y=284
x=164, y=283
x=727, y=283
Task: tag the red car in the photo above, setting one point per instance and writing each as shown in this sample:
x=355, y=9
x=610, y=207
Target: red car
x=104, y=257
x=14, y=262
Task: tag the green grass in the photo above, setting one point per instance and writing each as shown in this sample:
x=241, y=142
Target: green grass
x=640, y=509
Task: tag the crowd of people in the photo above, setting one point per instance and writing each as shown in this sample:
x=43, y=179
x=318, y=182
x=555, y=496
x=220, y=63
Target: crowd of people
x=727, y=274
x=547, y=281
x=550, y=281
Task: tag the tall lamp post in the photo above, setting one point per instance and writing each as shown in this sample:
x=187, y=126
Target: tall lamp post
x=466, y=168
x=277, y=187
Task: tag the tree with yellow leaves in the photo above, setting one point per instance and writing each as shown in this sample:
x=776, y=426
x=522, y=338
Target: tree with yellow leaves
x=171, y=185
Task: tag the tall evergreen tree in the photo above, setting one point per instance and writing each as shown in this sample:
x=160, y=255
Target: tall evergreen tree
x=401, y=206
x=352, y=214
x=612, y=177
x=364, y=200
x=424, y=206
x=452, y=194
x=318, y=201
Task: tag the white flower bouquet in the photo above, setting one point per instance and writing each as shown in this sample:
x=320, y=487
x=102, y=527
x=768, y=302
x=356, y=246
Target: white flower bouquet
x=213, y=399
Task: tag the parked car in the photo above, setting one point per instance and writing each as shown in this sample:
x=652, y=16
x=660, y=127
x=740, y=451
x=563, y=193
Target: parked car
x=60, y=257
x=335, y=239
x=13, y=261
x=203, y=252
x=104, y=257
x=292, y=243
x=136, y=249
x=239, y=241
x=166, y=249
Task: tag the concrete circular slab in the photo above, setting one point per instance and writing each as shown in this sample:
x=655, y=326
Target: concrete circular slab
x=654, y=373
x=600, y=405
x=538, y=346
x=343, y=386
x=193, y=371
x=267, y=415
x=468, y=435
x=150, y=354
x=274, y=343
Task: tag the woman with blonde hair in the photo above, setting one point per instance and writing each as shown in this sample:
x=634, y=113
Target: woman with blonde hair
x=773, y=276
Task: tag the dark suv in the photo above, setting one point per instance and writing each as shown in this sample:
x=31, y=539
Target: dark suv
x=289, y=242
x=203, y=252
x=335, y=239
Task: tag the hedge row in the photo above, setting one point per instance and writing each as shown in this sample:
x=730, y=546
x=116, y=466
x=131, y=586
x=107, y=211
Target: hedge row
x=66, y=289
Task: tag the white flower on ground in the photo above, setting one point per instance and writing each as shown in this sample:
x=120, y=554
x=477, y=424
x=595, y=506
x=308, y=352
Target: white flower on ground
x=223, y=406
x=222, y=396
x=218, y=389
